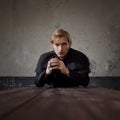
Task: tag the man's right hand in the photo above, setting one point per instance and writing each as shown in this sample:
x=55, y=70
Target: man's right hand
x=48, y=69
x=52, y=65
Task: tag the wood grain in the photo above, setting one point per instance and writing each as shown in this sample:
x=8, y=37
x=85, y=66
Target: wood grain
x=59, y=104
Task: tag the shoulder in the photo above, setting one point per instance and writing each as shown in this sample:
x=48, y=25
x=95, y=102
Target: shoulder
x=47, y=55
x=76, y=54
x=44, y=58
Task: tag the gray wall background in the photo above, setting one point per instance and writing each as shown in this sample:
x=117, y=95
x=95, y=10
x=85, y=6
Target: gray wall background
x=26, y=25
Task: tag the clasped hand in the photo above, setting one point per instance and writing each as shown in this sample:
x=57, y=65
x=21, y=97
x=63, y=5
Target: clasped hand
x=56, y=64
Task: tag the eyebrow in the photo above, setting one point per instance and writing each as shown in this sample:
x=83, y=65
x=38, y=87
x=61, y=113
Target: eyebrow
x=61, y=43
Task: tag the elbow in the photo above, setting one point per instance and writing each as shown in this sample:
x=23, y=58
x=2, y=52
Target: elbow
x=38, y=83
x=86, y=81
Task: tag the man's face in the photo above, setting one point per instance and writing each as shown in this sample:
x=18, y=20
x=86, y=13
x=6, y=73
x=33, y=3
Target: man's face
x=61, y=46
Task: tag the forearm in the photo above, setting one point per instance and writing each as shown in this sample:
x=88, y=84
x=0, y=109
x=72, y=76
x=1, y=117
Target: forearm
x=40, y=79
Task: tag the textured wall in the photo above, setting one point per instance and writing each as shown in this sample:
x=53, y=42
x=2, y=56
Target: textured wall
x=25, y=27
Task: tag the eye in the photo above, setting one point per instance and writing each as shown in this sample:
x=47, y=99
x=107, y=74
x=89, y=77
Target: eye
x=64, y=44
x=56, y=44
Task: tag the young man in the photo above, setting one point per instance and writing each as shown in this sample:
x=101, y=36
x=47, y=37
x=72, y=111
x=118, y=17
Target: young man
x=64, y=66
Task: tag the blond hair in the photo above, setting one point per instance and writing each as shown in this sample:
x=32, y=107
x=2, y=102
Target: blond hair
x=60, y=33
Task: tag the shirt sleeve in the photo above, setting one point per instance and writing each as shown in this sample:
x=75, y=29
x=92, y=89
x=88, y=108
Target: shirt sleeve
x=80, y=73
x=80, y=79
x=40, y=72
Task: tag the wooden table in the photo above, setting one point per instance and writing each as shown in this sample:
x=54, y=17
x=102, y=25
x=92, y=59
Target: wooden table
x=31, y=103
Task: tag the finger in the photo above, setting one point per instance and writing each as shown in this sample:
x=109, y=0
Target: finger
x=51, y=68
x=54, y=68
x=54, y=60
x=49, y=64
x=54, y=64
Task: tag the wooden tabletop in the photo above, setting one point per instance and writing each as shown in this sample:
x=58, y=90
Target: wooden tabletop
x=31, y=103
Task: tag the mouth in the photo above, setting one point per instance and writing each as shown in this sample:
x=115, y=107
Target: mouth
x=61, y=54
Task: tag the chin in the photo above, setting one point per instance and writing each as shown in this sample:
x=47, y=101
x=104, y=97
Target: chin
x=61, y=56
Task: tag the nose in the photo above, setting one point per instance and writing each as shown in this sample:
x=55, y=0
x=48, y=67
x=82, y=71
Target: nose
x=60, y=48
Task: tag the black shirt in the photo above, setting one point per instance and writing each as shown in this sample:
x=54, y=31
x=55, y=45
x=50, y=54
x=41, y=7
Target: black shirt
x=75, y=61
